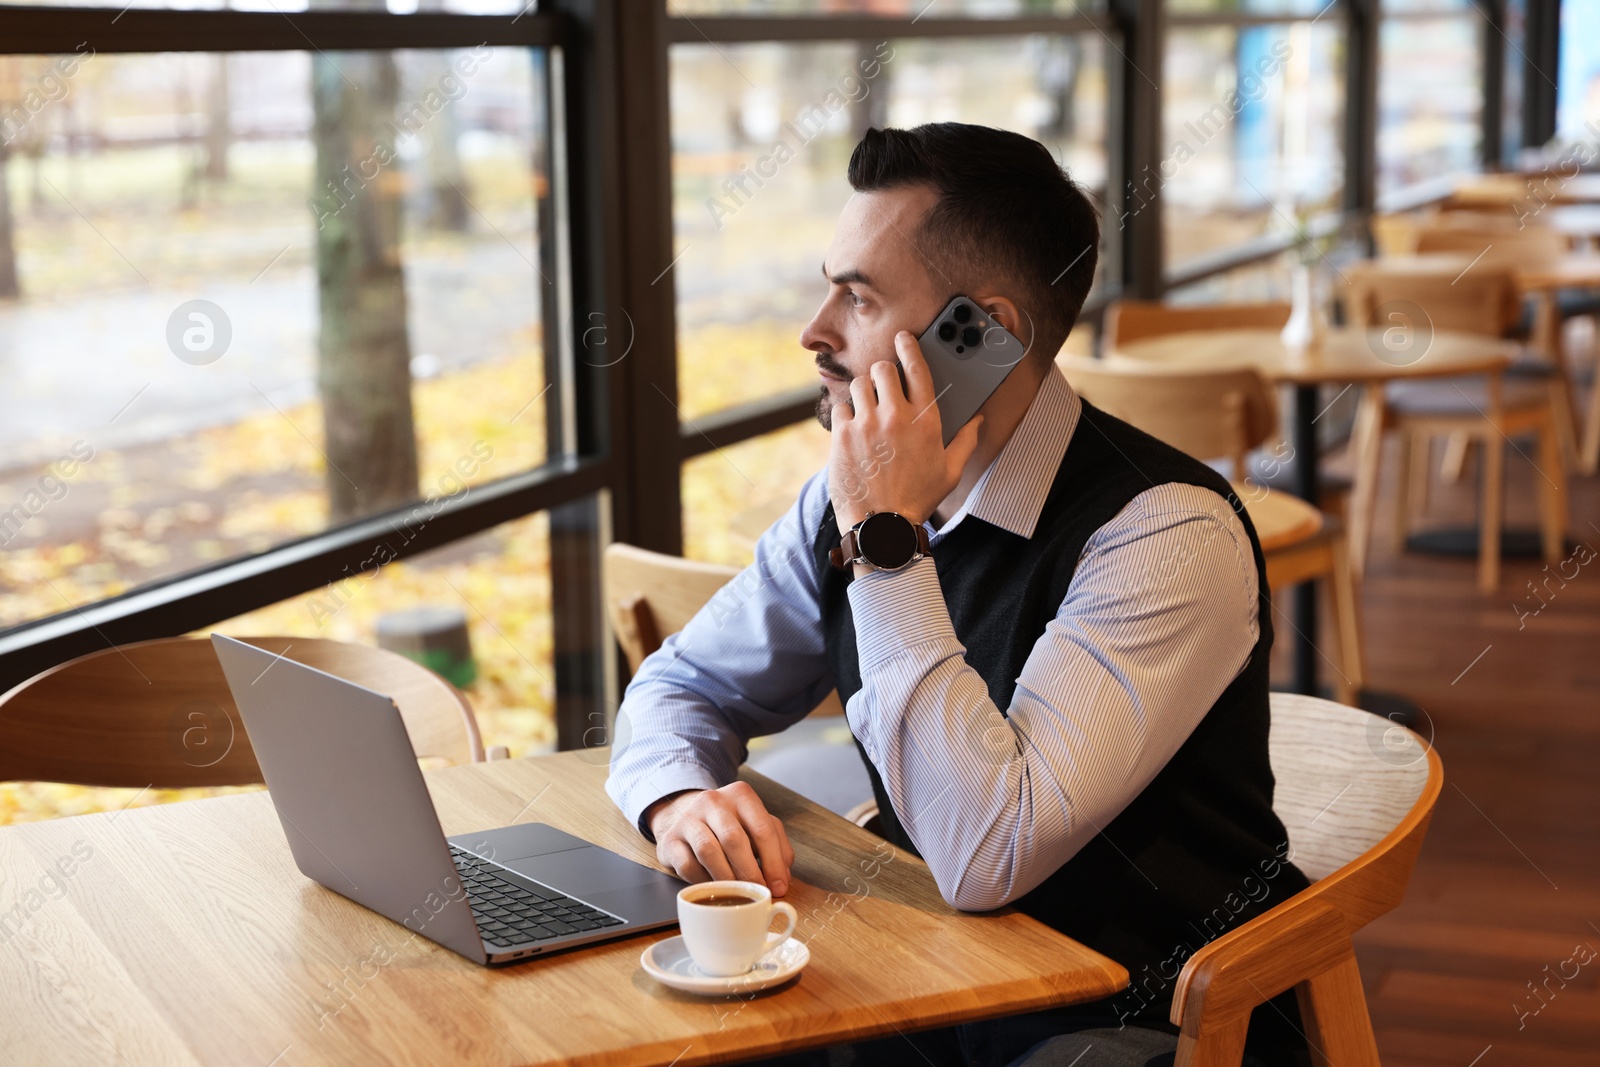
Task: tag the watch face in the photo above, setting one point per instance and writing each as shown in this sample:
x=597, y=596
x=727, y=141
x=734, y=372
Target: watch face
x=887, y=541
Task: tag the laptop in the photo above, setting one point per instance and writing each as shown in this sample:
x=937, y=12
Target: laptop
x=344, y=778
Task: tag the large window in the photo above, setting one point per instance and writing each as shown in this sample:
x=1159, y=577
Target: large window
x=423, y=314
x=1251, y=132
x=1578, y=84
x=1430, y=91
x=253, y=295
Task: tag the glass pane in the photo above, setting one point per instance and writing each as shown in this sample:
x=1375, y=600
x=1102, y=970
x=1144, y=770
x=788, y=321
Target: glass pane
x=242, y=310
x=753, y=220
x=1578, y=84
x=884, y=8
x=502, y=574
x=1253, y=132
x=1430, y=99
x=731, y=496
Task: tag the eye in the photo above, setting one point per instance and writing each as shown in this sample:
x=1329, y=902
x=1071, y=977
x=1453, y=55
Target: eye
x=855, y=298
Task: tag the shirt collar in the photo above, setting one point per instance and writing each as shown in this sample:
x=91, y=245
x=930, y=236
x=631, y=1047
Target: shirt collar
x=1011, y=492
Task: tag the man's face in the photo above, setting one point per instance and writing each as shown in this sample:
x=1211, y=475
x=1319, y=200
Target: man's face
x=878, y=284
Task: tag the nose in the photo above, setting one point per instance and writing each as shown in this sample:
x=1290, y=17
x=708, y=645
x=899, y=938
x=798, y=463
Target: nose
x=817, y=337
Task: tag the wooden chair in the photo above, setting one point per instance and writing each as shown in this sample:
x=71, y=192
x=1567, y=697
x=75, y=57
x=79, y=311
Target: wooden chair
x=1224, y=414
x=1505, y=242
x=1136, y=320
x=1488, y=410
x=159, y=713
x=650, y=595
x=1355, y=795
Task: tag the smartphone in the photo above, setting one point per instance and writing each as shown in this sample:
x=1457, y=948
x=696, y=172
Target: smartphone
x=969, y=355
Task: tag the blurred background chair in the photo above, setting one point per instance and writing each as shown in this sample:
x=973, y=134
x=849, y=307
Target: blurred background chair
x=1225, y=414
x=650, y=596
x=1488, y=410
x=1128, y=321
x=1356, y=799
x=160, y=714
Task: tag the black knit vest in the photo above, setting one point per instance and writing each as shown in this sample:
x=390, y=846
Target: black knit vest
x=1200, y=851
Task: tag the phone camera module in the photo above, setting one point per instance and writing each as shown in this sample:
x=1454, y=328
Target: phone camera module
x=963, y=313
x=971, y=337
x=947, y=331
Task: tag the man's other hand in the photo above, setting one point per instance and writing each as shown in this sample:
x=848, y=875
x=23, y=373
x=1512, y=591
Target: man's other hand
x=723, y=833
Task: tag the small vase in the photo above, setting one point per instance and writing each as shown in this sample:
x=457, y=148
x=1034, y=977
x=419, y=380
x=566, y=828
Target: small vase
x=1307, y=321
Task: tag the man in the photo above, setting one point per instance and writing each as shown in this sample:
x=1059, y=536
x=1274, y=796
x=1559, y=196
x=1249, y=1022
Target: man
x=1062, y=702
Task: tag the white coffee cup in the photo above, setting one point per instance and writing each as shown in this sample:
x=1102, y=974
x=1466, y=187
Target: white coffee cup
x=725, y=940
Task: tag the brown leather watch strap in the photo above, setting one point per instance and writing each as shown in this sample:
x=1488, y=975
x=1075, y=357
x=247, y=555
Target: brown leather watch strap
x=842, y=557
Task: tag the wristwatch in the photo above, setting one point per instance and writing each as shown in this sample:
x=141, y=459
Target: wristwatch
x=884, y=541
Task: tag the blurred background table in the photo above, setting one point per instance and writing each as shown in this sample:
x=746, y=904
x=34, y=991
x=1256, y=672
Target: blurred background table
x=1345, y=357
x=183, y=934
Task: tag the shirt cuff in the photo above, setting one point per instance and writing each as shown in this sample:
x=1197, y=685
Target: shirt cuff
x=641, y=793
x=895, y=610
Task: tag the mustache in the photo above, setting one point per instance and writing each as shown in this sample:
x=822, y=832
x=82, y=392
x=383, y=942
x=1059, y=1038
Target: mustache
x=828, y=365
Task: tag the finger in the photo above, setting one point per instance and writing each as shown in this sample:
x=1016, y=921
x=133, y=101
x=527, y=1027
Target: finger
x=736, y=845
x=783, y=840
x=842, y=414
x=707, y=849
x=919, y=380
x=962, y=446
x=675, y=854
x=769, y=848
x=861, y=392
x=886, y=379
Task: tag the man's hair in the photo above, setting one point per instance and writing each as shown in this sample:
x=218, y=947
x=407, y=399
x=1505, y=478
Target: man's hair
x=1006, y=215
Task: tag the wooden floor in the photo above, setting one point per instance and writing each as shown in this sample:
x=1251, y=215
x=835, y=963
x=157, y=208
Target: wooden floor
x=1505, y=900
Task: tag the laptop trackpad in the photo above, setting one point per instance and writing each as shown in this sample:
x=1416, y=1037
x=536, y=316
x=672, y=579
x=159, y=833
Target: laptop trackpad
x=584, y=871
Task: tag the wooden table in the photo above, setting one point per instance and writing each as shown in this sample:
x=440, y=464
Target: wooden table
x=1347, y=357
x=183, y=934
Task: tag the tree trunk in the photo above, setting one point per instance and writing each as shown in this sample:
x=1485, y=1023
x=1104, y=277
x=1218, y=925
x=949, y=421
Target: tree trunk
x=9, y=285
x=364, y=355
x=219, y=129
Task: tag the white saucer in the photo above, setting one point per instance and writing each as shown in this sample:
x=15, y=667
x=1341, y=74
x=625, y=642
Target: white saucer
x=669, y=963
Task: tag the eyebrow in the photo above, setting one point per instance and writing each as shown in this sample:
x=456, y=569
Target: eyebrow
x=847, y=276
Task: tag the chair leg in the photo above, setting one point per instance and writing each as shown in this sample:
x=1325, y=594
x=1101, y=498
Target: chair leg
x=1366, y=443
x=1223, y=1047
x=1333, y=1010
x=1345, y=605
x=1552, y=486
x=1491, y=512
x=1589, y=459
x=1405, y=492
x=1456, y=448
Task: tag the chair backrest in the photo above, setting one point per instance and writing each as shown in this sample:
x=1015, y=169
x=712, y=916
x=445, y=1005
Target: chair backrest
x=1345, y=779
x=1481, y=299
x=1135, y=320
x=1210, y=414
x=1356, y=794
x=650, y=595
x=1499, y=238
x=159, y=713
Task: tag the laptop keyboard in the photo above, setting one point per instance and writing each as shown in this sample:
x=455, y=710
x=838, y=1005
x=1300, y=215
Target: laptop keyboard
x=514, y=912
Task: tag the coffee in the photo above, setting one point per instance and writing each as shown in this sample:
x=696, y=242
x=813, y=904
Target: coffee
x=723, y=900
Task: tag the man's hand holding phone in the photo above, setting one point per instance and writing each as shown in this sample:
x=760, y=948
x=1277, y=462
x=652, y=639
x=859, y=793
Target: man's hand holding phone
x=902, y=425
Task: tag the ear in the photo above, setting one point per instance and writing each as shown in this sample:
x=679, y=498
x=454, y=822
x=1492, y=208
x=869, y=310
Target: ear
x=1005, y=312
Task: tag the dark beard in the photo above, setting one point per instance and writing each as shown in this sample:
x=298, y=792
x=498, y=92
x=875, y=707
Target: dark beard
x=824, y=409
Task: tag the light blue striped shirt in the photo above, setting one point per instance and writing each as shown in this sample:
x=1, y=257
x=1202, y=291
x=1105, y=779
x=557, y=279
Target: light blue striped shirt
x=1160, y=616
